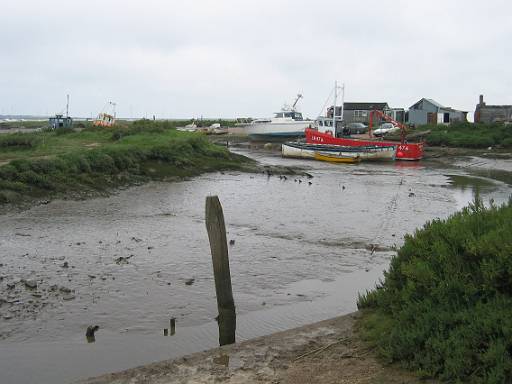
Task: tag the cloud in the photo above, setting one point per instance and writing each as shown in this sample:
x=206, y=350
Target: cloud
x=234, y=58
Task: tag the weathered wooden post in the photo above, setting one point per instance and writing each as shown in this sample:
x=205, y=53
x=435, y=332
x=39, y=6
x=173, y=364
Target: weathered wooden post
x=218, y=244
x=172, y=324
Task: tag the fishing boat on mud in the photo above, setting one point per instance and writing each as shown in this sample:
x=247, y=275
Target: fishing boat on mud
x=404, y=150
x=309, y=151
x=105, y=119
x=326, y=128
x=285, y=125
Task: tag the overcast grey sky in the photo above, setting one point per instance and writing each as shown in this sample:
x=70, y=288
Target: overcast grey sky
x=227, y=58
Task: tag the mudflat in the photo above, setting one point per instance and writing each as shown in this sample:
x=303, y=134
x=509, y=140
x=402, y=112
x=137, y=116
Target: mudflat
x=326, y=352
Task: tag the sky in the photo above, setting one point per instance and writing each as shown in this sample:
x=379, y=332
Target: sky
x=227, y=58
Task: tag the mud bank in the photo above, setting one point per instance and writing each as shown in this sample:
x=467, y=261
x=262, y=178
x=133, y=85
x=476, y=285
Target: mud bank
x=329, y=351
x=302, y=253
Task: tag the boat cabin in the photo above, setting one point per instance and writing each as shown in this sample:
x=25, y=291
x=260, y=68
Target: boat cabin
x=104, y=120
x=296, y=116
x=325, y=124
x=59, y=121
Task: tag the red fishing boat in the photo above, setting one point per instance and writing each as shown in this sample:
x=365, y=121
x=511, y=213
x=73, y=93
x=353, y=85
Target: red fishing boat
x=404, y=150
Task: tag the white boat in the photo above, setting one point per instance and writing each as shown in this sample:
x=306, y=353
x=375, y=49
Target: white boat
x=287, y=123
x=309, y=151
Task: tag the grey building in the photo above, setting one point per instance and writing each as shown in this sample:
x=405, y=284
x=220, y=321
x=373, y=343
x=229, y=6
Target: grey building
x=492, y=113
x=359, y=112
x=428, y=111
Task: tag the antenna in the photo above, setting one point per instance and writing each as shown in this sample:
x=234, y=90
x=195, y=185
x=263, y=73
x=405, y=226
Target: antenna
x=334, y=112
x=67, y=105
x=113, y=108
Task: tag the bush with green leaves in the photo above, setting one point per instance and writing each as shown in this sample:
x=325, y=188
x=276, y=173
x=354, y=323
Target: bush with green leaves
x=444, y=308
x=20, y=140
x=469, y=135
x=141, y=155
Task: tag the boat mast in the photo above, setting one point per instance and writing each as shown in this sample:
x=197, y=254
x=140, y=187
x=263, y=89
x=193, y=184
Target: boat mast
x=342, y=101
x=334, y=112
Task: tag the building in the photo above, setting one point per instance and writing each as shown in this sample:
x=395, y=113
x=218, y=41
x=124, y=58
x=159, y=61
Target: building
x=492, y=113
x=359, y=112
x=428, y=111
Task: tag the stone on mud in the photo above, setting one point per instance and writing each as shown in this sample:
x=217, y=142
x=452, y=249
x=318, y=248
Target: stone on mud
x=32, y=284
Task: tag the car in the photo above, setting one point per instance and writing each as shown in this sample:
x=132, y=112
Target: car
x=385, y=128
x=357, y=128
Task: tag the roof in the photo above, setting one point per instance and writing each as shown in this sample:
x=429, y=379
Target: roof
x=450, y=109
x=364, y=106
x=495, y=106
x=431, y=101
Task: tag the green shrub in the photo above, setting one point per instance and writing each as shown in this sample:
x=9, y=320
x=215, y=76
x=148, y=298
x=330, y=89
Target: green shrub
x=170, y=152
x=63, y=131
x=447, y=298
x=19, y=140
x=507, y=143
x=8, y=172
x=101, y=162
x=469, y=135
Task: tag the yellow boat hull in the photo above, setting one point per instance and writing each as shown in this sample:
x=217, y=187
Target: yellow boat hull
x=337, y=159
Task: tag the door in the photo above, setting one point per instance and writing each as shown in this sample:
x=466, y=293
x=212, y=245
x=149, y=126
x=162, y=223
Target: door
x=431, y=118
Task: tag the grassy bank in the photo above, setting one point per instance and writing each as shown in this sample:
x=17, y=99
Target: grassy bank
x=469, y=135
x=43, y=164
x=445, y=306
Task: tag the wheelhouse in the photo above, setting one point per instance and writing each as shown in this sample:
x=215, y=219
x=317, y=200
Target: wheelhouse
x=297, y=116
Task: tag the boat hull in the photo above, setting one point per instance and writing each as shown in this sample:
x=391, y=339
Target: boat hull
x=336, y=158
x=308, y=151
x=276, y=130
x=404, y=151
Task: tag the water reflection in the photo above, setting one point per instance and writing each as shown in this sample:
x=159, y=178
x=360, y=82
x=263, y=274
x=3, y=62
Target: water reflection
x=465, y=188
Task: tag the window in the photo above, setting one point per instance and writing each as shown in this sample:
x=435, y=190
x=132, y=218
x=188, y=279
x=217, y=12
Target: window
x=360, y=114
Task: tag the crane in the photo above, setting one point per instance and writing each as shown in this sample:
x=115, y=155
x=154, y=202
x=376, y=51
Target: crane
x=389, y=119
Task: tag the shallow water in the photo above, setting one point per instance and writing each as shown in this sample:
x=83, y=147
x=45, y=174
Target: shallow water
x=302, y=252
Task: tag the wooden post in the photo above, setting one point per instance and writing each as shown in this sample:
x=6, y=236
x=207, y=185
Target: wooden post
x=172, y=323
x=219, y=247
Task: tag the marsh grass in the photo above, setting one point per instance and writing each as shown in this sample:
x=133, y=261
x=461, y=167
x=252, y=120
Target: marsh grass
x=444, y=308
x=469, y=135
x=93, y=160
